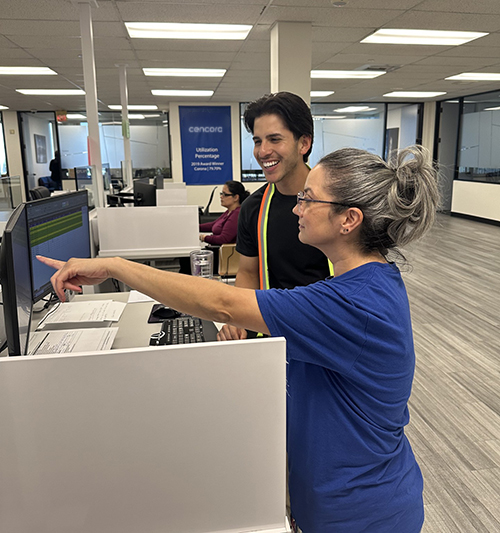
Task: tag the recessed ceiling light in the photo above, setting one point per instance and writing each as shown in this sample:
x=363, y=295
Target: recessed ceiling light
x=170, y=30
x=422, y=37
x=318, y=117
x=27, y=71
x=3, y=107
x=413, y=94
x=52, y=92
x=136, y=117
x=186, y=72
x=354, y=109
x=135, y=107
x=346, y=74
x=321, y=94
x=476, y=76
x=491, y=109
x=74, y=116
x=175, y=92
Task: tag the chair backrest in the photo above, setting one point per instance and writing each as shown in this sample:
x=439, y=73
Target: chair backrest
x=39, y=192
x=229, y=260
x=46, y=181
x=206, y=211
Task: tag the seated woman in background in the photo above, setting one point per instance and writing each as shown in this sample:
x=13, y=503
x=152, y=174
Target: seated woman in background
x=348, y=338
x=224, y=229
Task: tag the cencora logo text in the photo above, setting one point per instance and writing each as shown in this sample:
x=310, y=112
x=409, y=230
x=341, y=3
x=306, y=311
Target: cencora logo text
x=206, y=129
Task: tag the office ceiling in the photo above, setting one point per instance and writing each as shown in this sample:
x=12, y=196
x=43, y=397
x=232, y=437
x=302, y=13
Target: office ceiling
x=46, y=33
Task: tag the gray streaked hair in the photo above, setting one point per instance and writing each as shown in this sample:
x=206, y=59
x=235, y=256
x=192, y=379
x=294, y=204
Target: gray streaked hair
x=399, y=199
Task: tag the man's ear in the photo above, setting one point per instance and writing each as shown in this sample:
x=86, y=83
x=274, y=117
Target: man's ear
x=305, y=142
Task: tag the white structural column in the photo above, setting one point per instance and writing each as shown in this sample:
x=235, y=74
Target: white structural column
x=291, y=58
x=125, y=125
x=429, y=125
x=89, y=77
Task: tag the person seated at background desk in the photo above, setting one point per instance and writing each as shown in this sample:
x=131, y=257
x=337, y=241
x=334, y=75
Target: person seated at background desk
x=349, y=339
x=225, y=228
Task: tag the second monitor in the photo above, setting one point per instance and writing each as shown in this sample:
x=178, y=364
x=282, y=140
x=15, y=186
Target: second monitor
x=58, y=228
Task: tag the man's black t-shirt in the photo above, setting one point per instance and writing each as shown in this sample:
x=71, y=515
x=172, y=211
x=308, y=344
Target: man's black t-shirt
x=290, y=263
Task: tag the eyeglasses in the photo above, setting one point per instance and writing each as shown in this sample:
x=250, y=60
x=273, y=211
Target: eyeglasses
x=301, y=199
x=225, y=194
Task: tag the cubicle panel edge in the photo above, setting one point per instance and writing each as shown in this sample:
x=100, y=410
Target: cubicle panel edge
x=172, y=439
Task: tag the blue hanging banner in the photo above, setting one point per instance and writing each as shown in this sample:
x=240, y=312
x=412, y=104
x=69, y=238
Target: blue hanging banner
x=206, y=144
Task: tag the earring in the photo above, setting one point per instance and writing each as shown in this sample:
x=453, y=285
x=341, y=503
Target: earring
x=346, y=230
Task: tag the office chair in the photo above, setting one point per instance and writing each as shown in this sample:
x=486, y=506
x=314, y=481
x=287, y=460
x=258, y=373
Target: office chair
x=46, y=181
x=204, y=214
x=39, y=192
x=229, y=260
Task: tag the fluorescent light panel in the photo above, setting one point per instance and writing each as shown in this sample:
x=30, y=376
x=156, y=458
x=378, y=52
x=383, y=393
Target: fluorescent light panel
x=175, y=92
x=422, y=37
x=135, y=107
x=346, y=74
x=491, y=109
x=51, y=92
x=354, y=109
x=328, y=117
x=170, y=30
x=136, y=117
x=3, y=107
x=321, y=94
x=476, y=76
x=186, y=72
x=27, y=71
x=413, y=94
x=74, y=116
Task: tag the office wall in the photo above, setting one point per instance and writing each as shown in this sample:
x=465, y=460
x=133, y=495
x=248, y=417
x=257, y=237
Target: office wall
x=476, y=199
x=13, y=146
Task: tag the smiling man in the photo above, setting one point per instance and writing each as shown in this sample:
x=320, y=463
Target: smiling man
x=271, y=254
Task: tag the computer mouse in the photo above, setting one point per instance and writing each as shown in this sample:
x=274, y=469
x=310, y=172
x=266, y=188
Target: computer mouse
x=165, y=313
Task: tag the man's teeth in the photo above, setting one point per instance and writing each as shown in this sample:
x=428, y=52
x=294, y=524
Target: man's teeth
x=269, y=164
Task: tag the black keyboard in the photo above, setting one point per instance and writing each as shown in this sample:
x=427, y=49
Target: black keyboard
x=181, y=330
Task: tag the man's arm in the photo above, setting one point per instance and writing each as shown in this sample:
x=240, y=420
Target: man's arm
x=246, y=278
x=248, y=273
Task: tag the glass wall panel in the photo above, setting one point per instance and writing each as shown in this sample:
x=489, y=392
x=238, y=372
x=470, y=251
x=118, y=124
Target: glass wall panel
x=478, y=153
x=335, y=126
x=347, y=126
x=149, y=143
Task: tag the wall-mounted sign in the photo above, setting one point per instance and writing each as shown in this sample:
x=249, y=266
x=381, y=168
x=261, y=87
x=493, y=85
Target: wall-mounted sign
x=206, y=144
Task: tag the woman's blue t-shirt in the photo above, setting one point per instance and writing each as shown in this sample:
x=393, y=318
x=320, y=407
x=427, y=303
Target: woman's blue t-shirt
x=351, y=363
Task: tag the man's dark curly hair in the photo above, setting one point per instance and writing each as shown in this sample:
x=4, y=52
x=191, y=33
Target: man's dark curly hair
x=294, y=112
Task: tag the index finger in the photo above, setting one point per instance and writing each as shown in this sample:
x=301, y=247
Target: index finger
x=54, y=263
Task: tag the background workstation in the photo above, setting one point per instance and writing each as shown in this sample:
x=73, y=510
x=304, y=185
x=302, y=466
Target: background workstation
x=453, y=286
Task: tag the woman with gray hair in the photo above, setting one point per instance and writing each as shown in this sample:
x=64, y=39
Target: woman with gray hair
x=349, y=339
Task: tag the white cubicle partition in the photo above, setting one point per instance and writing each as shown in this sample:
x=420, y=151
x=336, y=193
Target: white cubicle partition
x=148, y=232
x=171, y=440
x=172, y=195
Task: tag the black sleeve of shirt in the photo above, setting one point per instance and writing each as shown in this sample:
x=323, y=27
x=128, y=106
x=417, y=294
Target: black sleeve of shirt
x=247, y=240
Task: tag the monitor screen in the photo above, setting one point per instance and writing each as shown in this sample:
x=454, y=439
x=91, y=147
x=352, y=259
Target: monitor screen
x=59, y=228
x=15, y=273
x=144, y=193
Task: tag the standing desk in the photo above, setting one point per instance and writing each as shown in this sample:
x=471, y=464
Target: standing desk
x=186, y=439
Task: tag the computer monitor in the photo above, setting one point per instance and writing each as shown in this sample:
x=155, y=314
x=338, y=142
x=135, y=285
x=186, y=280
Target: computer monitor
x=15, y=273
x=58, y=227
x=144, y=193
